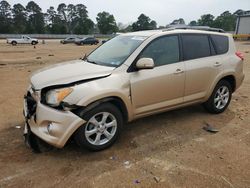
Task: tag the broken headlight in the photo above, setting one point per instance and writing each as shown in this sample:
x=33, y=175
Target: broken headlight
x=55, y=96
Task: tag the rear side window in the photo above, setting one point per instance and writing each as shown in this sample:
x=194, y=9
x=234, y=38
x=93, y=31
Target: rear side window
x=221, y=43
x=195, y=46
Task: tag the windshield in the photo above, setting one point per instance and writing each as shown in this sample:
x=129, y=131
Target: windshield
x=115, y=51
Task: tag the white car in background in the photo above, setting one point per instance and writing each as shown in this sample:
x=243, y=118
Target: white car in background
x=22, y=40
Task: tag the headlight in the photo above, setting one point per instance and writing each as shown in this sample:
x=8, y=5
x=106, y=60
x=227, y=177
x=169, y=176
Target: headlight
x=55, y=96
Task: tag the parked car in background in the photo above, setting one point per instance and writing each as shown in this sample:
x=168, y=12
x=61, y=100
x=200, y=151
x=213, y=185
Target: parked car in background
x=131, y=76
x=69, y=40
x=88, y=40
x=104, y=41
x=22, y=40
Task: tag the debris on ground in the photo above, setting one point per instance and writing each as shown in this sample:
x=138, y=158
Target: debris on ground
x=127, y=164
x=137, y=181
x=18, y=127
x=113, y=158
x=241, y=118
x=157, y=179
x=51, y=54
x=38, y=58
x=210, y=128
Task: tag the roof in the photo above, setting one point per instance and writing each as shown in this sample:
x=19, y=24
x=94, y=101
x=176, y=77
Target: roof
x=199, y=29
x=244, y=15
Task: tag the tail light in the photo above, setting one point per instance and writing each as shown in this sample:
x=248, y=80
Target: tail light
x=240, y=55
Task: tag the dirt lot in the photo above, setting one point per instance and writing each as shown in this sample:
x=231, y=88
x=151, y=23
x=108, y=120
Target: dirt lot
x=165, y=150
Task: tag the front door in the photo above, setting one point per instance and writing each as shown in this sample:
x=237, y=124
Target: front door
x=163, y=86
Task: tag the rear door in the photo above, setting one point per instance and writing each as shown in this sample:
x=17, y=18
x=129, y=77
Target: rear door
x=163, y=86
x=201, y=64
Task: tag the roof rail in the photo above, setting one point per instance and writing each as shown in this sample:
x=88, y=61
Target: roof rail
x=203, y=28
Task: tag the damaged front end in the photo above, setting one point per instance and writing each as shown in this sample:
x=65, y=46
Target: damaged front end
x=31, y=140
x=46, y=126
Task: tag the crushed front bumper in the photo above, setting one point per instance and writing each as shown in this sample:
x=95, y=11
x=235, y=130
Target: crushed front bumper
x=53, y=126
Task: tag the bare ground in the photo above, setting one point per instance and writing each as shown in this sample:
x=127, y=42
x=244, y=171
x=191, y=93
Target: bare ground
x=166, y=150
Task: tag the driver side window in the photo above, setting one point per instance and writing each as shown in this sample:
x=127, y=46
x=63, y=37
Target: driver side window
x=164, y=50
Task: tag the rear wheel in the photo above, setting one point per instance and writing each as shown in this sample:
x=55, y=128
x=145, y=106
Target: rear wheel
x=220, y=98
x=14, y=43
x=102, y=128
x=33, y=42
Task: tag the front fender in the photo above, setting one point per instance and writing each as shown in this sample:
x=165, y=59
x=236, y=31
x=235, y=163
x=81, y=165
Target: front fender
x=107, y=95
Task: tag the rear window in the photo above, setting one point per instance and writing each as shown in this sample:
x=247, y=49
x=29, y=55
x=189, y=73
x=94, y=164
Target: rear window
x=195, y=46
x=221, y=43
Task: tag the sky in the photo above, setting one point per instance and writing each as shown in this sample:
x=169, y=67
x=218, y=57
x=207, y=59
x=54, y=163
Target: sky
x=162, y=11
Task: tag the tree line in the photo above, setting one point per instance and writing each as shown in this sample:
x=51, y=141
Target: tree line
x=74, y=19
x=66, y=19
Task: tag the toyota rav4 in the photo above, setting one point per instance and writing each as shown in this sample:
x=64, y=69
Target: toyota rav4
x=131, y=76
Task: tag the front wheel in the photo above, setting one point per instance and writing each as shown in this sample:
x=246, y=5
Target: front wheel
x=220, y=98
x=33, y=42
x=102, y=128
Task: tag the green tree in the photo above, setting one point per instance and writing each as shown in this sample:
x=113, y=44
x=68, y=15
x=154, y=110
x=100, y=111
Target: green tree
x=106, y=23
x=226, y=21
x=179, y=21
x=193, y=23
x=239, y=12
x=82, y=24
x=75, y=18
x=62, y=8
x=5, y=17
x=55, y=24
x=19, y=18
x=206, y=20
x=144, y=23
x=35, y=18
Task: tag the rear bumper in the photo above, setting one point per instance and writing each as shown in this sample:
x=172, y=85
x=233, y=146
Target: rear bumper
x=52, y=126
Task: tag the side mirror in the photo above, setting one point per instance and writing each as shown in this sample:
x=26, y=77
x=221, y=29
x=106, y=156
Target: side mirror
x=145, y=63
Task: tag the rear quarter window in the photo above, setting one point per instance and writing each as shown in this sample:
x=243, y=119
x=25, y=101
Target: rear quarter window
x=221, y=43
x=195, y=46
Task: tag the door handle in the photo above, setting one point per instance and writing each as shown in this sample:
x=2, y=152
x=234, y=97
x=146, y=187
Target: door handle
x=217, y=64
x=179, y=71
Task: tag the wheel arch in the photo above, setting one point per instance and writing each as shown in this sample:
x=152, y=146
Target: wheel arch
x=228, y=77
x=115, y=100
x=231, y=79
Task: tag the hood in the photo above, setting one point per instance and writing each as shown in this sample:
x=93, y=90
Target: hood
x=69, y=72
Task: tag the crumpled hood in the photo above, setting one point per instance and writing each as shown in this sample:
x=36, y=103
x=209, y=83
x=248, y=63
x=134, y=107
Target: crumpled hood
x=69, y=72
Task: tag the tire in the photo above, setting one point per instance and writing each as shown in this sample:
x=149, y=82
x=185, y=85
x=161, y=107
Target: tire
x=14, y=43
x=220, y=98
x=81, y=43
x=96, y=122
x=33, y=43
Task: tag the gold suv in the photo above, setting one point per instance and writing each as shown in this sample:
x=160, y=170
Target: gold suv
x=130, y=76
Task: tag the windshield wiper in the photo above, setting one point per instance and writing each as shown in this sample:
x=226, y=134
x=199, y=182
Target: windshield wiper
x=93, y=62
